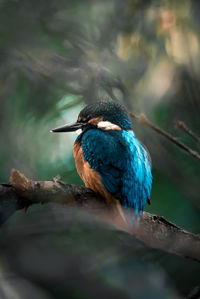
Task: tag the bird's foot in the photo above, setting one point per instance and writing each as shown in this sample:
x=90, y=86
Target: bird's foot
x=57, y=179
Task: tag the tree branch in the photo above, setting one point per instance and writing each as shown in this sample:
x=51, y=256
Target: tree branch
x=143, y=120
x=153, y=230
x=182, y=126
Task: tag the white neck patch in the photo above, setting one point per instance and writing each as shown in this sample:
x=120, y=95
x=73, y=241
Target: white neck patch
x=107, y=125
x=79, y=131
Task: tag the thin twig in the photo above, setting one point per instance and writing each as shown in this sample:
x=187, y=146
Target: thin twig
x=182, y=126
x=143, y=120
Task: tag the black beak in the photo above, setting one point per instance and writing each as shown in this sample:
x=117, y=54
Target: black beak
x=68, y=128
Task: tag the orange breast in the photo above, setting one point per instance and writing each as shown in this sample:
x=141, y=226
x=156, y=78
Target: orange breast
x=89, y=176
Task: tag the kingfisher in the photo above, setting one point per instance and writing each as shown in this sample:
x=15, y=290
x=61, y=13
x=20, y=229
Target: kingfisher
x=109, y=158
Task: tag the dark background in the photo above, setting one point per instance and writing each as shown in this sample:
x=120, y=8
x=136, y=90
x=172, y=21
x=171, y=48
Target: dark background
x=57, y=56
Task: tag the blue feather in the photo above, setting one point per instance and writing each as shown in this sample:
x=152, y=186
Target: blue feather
x=123, y=164
x=137, y=179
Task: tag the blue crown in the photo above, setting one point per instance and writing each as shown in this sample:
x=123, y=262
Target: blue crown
x=109, y=111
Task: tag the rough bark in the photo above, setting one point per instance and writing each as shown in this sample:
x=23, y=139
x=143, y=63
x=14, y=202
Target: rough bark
x=153, y=230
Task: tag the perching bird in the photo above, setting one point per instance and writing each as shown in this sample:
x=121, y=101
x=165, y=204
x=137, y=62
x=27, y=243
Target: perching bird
x=109, y=158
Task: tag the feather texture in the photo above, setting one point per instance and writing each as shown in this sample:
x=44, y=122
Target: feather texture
x=122, y=164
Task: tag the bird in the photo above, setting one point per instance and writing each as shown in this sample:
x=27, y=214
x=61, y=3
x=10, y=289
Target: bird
x=109, y=158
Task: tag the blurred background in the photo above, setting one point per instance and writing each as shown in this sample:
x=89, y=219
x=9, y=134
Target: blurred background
x=58, y=56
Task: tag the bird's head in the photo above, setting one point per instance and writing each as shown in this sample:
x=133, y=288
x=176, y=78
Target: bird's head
x=105, y=115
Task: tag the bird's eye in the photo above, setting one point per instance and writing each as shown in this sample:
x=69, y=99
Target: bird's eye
x=81, y=119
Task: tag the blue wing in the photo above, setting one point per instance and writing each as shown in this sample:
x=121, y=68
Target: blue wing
x=137, y=179
x=122, y=163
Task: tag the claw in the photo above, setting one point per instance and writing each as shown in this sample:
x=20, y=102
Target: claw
x=56, y=178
